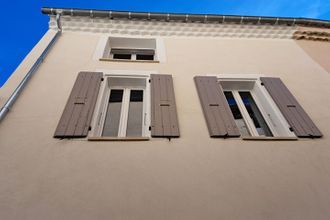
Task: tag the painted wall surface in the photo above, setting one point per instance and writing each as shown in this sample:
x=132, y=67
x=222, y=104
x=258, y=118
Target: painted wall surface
x=192, y=177
x=318, y=51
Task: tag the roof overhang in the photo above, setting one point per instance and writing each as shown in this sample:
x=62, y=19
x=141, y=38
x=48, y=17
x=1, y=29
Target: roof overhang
x=203, y=18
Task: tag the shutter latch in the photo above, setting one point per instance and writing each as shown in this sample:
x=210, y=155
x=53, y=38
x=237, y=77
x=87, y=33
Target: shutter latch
x=79, y=101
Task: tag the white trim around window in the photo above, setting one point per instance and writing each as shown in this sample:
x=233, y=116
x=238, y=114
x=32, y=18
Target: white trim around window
x=102, y=49
x=132, y=80
x=251, y=83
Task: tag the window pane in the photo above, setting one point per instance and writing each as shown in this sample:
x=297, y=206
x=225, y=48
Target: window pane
x=112, y=119
x=135, y=114
x=144, y=57
x=122, y=56
x=255, y=114
x=237, y=114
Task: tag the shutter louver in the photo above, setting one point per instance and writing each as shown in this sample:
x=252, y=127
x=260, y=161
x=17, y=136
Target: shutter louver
x=164, y=120
x=76, y=117
x=300, y=122
x=218, y=116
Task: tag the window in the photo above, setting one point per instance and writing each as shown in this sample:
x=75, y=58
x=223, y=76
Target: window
x=242, y=103
x=132, y=54
x=252, y=107
x=120, y=107
x=123, y=56
x=253, y=110
x=144, y=57
x=123, y=111
x=124, y=114
x=130, y=49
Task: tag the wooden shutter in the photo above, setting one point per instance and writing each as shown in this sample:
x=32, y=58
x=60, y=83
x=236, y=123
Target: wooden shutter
x=164, y=120
x=300, y=122
x=77, y=114
x=219, y=119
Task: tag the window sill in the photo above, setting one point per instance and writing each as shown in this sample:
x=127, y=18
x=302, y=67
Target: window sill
x=270, y=138
x=128, y=61
x=118, y=138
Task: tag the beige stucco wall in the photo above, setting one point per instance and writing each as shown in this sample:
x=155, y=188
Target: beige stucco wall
x=192, y=177
x=318, y=51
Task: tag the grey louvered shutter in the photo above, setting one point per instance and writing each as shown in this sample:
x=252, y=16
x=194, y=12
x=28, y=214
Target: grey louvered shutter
x=77, y=114
x=219, y=119
x=300, y=122
x=164, y=120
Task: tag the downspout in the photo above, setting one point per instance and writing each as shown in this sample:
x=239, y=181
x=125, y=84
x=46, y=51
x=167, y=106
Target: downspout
x=9, y=103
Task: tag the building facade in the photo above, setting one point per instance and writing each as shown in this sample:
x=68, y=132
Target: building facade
x=168, y=116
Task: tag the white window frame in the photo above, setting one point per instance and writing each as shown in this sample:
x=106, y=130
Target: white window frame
x=133, y=56
x=102, y=102
x=102, y=50
x=266, y=105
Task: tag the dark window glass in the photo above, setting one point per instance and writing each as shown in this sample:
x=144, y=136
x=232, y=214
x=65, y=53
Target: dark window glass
x=144, y=57
x=255, y=114
x=136, y=96
x=237, y=114
x=122, y=56
x=111, y=124
x=135, y=114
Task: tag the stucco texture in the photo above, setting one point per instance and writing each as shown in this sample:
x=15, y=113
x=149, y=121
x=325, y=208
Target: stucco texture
x=318, y=51
x=191, y=177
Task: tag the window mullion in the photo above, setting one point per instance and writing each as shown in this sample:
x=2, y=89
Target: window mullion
x=245, y=114
x=133, y=56
x=124, y=114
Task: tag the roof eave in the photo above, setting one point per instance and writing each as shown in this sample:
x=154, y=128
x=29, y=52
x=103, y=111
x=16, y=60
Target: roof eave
x=205, y=18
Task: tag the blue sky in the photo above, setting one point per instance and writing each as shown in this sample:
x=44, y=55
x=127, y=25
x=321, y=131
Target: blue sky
x=22, y=24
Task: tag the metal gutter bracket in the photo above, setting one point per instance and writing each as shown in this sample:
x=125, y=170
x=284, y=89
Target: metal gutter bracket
x=58, y=21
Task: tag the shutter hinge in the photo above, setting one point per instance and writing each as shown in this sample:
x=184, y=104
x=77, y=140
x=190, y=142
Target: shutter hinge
x=102, y=79
x=291, y=129
x=149, y=80
x=262, y=83
x=311, y=136
x=149, y=128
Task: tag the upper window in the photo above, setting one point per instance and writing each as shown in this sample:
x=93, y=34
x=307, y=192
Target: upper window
x=132, y=54
x=130, y=49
